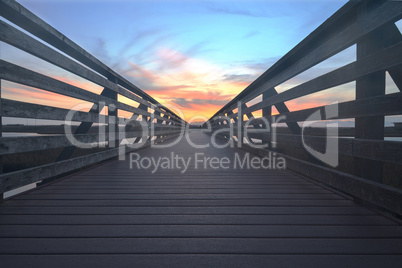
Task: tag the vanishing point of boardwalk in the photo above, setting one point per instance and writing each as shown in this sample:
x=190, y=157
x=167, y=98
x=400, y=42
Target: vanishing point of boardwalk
x=331, y=198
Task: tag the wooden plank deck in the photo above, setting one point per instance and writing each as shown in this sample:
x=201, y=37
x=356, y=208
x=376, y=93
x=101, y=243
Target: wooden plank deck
x=112, y=215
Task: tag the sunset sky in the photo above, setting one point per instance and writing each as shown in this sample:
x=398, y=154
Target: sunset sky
x=197, y=55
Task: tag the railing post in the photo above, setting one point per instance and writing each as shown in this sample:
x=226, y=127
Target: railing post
x=1, y=135
x=267, y=112
x=369, y=86
x=112, y=113
x=240, y=129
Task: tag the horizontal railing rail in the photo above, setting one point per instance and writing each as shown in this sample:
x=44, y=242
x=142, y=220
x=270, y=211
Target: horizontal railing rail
x=369, y=167
x=48, y=150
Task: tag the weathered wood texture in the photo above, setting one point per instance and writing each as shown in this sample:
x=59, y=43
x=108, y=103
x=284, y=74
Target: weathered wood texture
x=197, y=218
x=338, y=33
x=370, y=86
x=116, y=91
x=13, y=180
x=19, y=15
x=370, y=25
x=1, y=135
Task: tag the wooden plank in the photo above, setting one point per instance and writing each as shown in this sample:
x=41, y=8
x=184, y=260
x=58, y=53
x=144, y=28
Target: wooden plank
x=17, y=179
x=19, y=109
x=17, y=74
x=380, y=61
x=163, y=185
x=28, y=44
x=264, y=189
x=198, y=231
x=12, y=108
x=12, y=145
x=202, y=245
x=331, y=26
x=385, y=151
x=317, y=220
x=392, y=35
x=371, y=85
x=143, y=180
x=84, y=127
x=59, y=129
x=266, y=113
x=166, y=196
x=200, y=260
x=1, y=135
x=396, y=75
x=281, y=108
x=182, y=203
x=169, y=207
x=389, y=104
x=375, y=193
x=186, y=210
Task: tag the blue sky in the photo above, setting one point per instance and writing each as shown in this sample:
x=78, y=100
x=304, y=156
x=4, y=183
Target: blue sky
x=194, y=54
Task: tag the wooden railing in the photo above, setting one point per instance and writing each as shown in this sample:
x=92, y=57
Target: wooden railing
x=40, y=157
x=370, y=168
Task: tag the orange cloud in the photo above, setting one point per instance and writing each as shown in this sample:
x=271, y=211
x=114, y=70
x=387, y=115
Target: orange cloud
x=37, y=96
x=197, y=87
x=195, y=112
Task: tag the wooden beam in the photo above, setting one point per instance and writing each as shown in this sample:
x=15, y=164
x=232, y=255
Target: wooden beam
x=392, y=35
x=19, y=109
x=18, y=39
x=230, y=114
x=387, y=105
x=250, y=116
x=389, y=12
x=113, y=114
x=19, y=15
x=380, y=61
x=385, y=151
x=13, y=180
x=267, y=113
x=371, y=85
x=282, y=108
x=17, y=74
x=82, y=129
x=386, y=197
x=1, y=135
x=396, y=75
x=144, y=118
x=13, y=145
x=240, y=132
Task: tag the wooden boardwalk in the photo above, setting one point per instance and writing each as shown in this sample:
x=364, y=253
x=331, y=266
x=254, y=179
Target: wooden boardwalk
x=112, y=215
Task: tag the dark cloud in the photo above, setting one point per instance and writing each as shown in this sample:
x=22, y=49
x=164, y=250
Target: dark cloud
x=189, y=103
x=243, y=78
x=257, y=10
